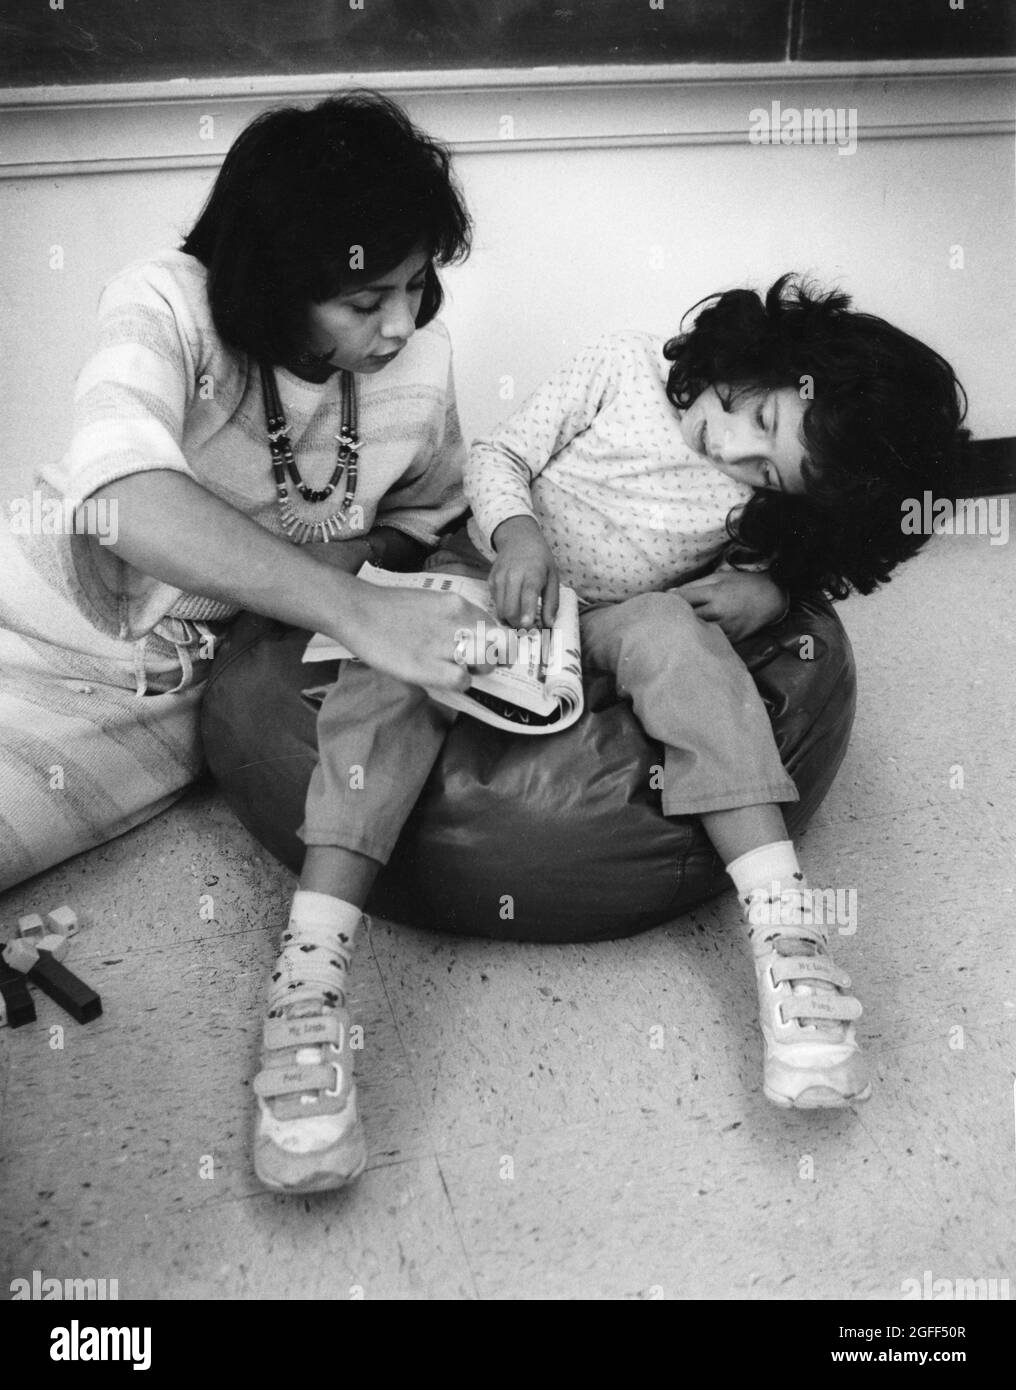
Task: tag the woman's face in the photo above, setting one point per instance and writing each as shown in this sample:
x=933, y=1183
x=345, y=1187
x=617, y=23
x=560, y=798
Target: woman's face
x=758, y=441
x=371, y=321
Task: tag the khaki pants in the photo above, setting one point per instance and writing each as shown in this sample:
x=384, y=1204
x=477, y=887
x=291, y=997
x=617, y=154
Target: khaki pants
x=378, y=737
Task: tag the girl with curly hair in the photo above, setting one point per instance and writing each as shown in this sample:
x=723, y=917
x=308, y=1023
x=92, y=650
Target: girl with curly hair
x=782, y=442
x=775, y=439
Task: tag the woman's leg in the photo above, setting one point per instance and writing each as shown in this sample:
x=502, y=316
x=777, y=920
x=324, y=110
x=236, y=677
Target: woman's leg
x=82, y=762
x=692, y=692
x=83, y=758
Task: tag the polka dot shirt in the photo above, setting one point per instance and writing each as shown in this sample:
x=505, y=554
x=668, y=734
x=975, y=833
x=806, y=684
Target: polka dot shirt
x=596, y=456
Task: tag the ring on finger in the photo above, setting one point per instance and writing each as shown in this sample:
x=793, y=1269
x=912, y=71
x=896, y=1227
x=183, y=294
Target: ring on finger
x=461, y=651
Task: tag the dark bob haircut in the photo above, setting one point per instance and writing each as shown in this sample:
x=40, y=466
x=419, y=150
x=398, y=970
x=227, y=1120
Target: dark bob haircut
x=882, y=424
x=298, y=190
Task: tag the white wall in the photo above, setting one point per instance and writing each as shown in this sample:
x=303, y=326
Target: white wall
x=570, y=241
x=567, y=245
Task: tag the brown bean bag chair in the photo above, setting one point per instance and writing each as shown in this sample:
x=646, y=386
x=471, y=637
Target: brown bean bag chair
x=550, y=839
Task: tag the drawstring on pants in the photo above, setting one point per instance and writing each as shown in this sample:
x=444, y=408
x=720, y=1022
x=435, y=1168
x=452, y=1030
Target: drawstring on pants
x=193, y=634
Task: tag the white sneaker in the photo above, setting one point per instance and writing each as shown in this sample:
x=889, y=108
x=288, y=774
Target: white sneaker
x=812, y=1059
x=308, y=1135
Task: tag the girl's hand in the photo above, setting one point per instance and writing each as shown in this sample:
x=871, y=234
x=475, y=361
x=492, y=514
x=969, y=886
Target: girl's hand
x=524, y=574
x=414, y=635
x=741, y=603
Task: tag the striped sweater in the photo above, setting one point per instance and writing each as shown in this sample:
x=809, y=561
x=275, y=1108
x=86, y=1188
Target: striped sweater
x=162, y=391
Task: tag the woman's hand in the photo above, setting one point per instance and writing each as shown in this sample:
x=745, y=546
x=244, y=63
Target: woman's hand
x=524, y=572
x=741, y=603
x=172, y=528
x=415, y=635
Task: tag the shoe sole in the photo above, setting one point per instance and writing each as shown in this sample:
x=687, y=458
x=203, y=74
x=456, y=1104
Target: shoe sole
x=817, y=1098
x=281, y=1171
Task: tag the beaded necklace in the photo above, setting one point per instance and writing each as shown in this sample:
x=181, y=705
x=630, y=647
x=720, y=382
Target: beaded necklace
x=283, y=462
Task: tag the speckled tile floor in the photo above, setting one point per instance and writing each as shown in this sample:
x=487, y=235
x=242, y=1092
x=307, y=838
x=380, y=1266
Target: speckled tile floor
x=526, y=1140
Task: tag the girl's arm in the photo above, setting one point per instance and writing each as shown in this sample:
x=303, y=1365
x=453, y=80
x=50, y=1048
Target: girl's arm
x=175, y=530
x=741, y=602
x=501, y=467
x=499, y=474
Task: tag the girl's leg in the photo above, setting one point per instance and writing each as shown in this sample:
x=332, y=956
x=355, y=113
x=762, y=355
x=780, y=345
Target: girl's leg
x=338, y=873
x=692, y=692
x=806, y=1014
x=378, y=739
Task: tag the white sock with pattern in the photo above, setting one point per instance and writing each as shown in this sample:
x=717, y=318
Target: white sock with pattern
x=317, y=949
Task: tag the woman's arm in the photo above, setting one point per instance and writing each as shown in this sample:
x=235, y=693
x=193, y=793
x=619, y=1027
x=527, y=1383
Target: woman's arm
x=175, y=530
x=384, y=546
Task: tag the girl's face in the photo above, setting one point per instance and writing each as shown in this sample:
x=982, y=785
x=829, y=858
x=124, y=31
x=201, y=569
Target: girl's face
x=759, y=440
x=371, y=321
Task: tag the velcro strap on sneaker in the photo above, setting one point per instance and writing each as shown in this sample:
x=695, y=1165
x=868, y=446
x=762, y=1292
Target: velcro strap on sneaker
x=288, y=1081
x=764, y=936
x=304, y=1032
x=808, y=968
x=826, y=1005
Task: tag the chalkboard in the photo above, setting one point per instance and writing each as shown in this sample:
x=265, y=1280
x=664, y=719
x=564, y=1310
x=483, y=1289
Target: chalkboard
x=88, y=41
x=868, y=29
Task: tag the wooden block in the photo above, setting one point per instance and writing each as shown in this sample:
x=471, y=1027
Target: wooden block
x=20, y=955
x=63, y=921
x=16, y=1006
x=65, y=989
x=57, y=946
x=32, y=925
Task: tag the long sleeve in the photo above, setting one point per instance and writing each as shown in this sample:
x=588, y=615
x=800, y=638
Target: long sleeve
x=428, y=498
x=501, y=467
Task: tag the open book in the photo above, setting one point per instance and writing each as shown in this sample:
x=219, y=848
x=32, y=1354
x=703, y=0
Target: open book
x=537, y=685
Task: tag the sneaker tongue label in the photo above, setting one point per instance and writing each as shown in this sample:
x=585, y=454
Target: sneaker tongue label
x=285, y=1081
x=809, y=967
x=822, y=1006
x=302, y=1032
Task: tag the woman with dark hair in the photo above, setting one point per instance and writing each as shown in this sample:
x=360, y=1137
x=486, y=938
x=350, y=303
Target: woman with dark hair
x=267, y=408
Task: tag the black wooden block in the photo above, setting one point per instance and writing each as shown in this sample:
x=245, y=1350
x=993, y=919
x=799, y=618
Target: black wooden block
x=18, y=1008
x=65, y=989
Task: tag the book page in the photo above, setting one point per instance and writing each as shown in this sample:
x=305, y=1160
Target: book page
x=539, y=671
